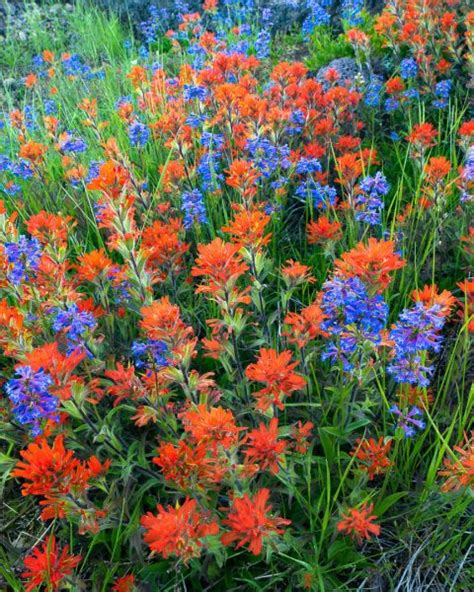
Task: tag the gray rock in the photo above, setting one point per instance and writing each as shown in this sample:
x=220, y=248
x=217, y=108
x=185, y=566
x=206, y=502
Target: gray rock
x=346, y=67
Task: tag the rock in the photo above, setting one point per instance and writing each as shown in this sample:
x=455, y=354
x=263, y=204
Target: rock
x=346, y=67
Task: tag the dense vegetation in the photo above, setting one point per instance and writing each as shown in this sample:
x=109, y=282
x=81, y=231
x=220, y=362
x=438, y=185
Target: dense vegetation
x=236, y=301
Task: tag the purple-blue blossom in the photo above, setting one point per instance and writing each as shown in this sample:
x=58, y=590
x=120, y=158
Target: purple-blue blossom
x=30, y=395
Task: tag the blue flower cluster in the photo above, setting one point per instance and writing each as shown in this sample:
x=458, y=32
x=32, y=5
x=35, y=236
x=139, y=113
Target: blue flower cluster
x=267, y=157
x=409, y=421
x=192, y=204
x=24, y=256
x=71, y=144
x=75, y=323
x=138, y=133
x=318, y=15
x=351, y=12
x=192, y=92
x=369, y=203
x=442, y=92
x=408, y=68
x=32, y=401
x=150, y=354
x=415, y=335
x=352, y=319
x=322, y=196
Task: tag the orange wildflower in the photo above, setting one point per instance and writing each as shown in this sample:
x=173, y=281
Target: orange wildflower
x=48, y=566
x=275, y=371
x=250, y=522
x=242, y=176
x=359, y=523
x=373, y=455
x=220, y=263
x=295, y=273
x=162, y=321
x=247, y=229
x=94, y=264
x=189, y=466
x=124, y=584
x=33, y=151
x=54, y=473
x=322, y=230
x=429, y=295
x=31, y=80
x=126, y=385
x=423, y=135
x=50, y=228
x=304, y=326
x=215, y=426
x=349, y=168
x=264, y=448
x=460, y=472
x=372, y=263
x=437, y=168
x=137, y=76
x=178, y=531
x=111, y=179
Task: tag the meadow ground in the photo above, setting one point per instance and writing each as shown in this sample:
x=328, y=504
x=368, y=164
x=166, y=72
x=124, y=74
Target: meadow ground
x=236, y=299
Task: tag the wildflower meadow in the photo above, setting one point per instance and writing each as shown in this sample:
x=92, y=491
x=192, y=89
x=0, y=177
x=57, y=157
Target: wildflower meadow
x=236, y=297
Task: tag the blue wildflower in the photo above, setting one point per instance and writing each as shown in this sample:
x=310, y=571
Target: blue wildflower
x=262, y=45
x=192, y=204
x=75, y=323
x=24, y=256
x=410, y=421
x=415, y=335
x=443, y=89
x=408, y=68
x=322, y=195
x=32, y=401
x=194, y=92
x=353, y=318
x=150, y=354
x=71, y=144
x=138, y=133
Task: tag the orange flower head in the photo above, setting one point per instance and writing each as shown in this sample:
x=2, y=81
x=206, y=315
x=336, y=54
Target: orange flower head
x=264, y=448
x=250, y=522
x=247, y=229
x=48, y=566
x=275, y=371
x=215, y=426
x=93, y=265
x=124, y=584
x=242, y=176
x=220, y=264
x=359, y=523
x=111, y=179
x=162, y=321
x=305, y=326
x=460, y=471
x=295, y=273
x=423, y=135
x=322, y=230
x=49, y=228
x=33, y=151
x=373, y=455
x=437, y=169
x=31, y=80
x=190, y=466
x=430, y=295
x=178, y=531
x=372, y=263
